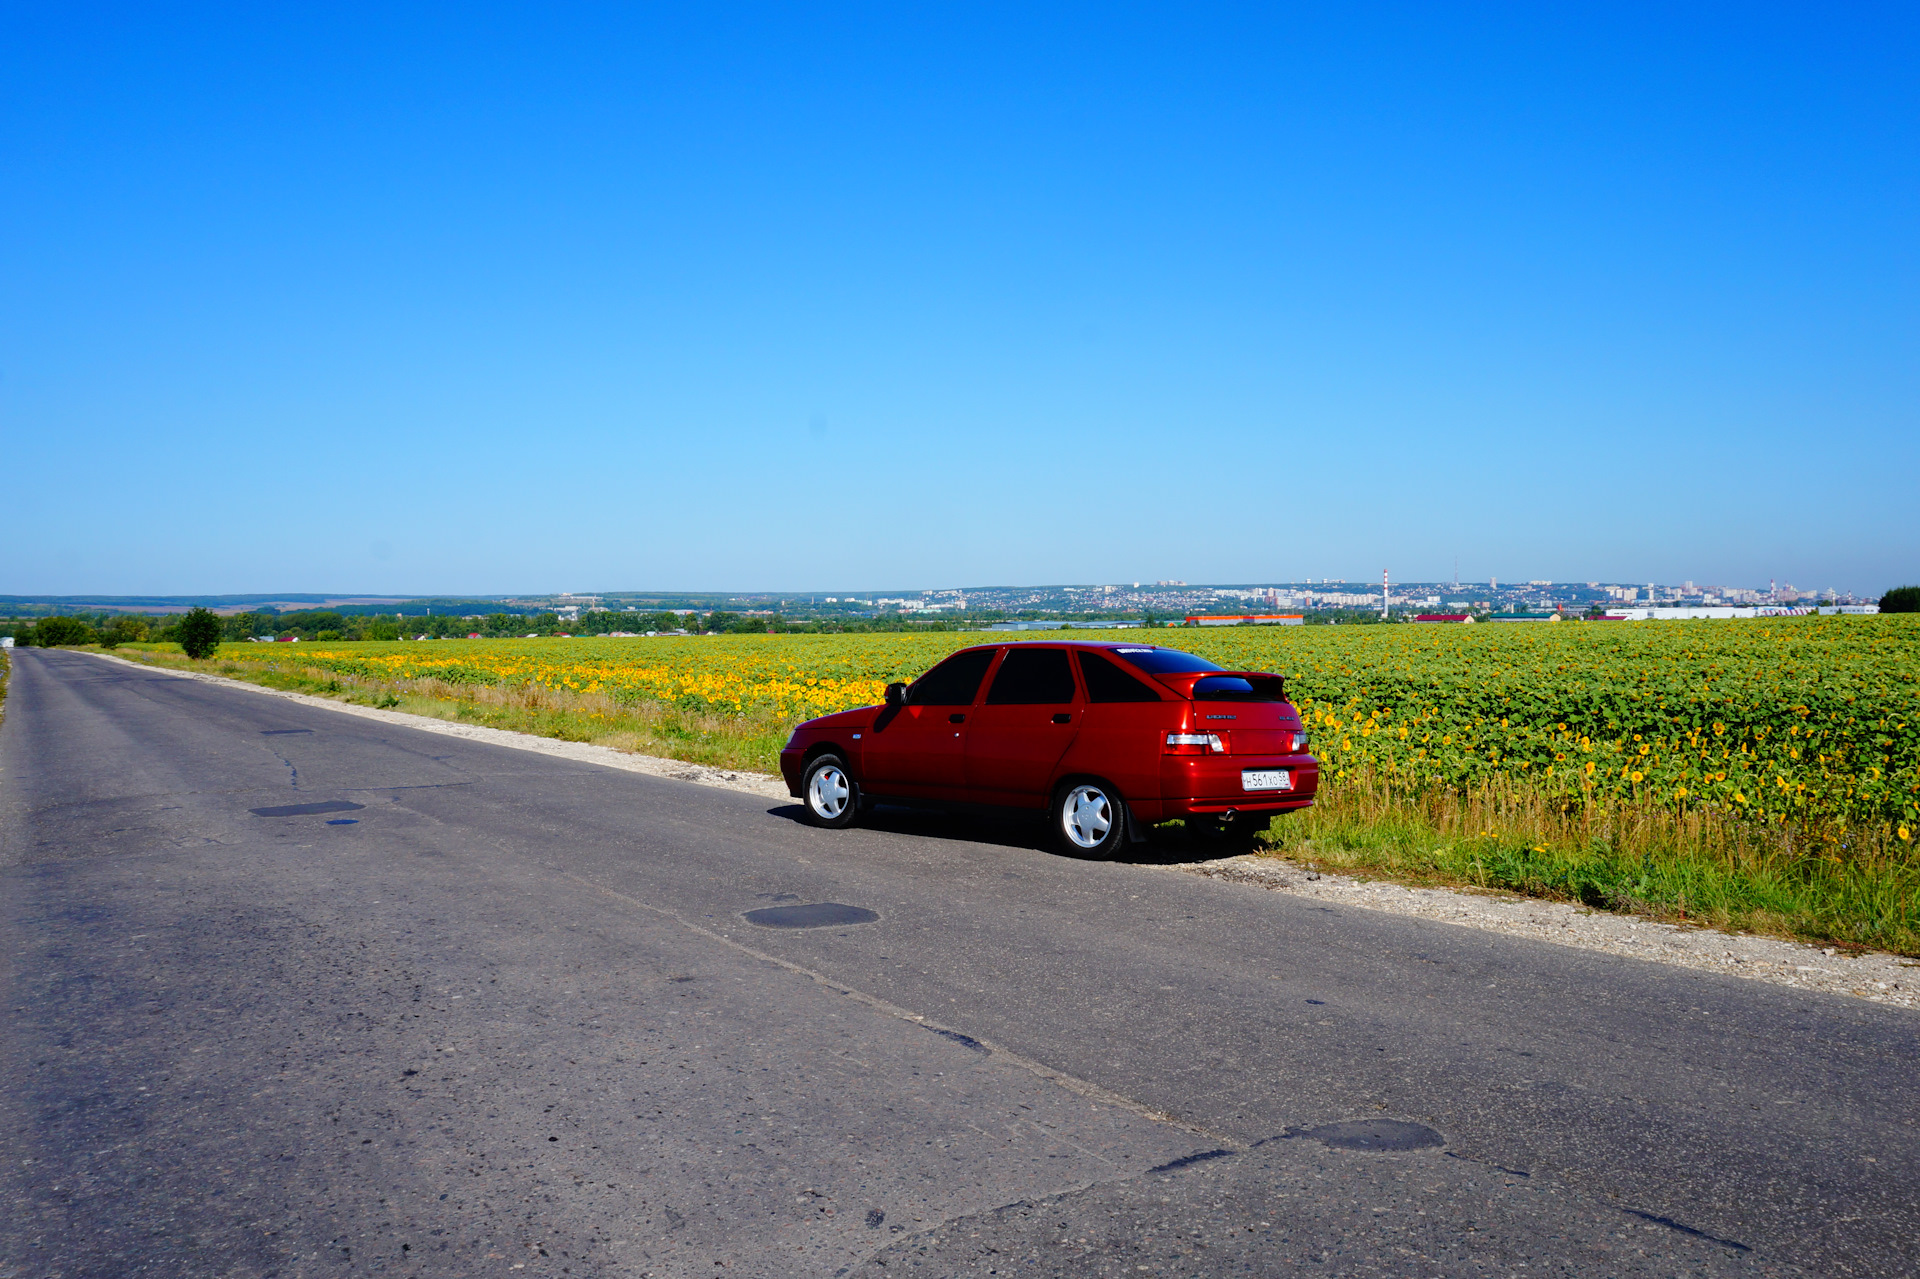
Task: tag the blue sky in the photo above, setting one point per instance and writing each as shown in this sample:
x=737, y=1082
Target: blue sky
x=480, y=298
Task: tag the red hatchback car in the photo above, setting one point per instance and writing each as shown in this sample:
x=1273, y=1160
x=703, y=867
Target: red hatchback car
x=1106, y=738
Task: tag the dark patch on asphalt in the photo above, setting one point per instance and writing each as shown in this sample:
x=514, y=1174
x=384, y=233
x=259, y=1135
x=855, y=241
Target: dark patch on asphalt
x=343, y=821
x=965, y=1041
x=307, y=810
x=812, y=915
x=1187, y=1161
x=282, y=732
x=1671, y=1224
x=1376, y=1134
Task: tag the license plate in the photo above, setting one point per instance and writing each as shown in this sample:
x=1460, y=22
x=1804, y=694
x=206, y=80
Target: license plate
x=1265, y=779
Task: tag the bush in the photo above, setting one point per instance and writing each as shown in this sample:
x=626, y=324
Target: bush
x=52, y=631
x=1901, y=599
x=199, y=633
x=124, y=630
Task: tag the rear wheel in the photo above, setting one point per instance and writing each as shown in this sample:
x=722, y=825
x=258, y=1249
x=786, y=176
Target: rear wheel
x=828, y=793
x=1089, y=819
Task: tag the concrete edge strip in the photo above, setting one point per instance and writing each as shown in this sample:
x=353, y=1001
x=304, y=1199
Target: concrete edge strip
x=1073, y=1084
x=762, y=784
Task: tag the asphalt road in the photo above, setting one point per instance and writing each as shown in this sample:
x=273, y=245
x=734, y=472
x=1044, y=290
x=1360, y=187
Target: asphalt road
x=508, y=1017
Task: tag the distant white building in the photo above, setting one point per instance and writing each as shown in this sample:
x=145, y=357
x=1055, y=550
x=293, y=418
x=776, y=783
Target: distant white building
x=1725, y=613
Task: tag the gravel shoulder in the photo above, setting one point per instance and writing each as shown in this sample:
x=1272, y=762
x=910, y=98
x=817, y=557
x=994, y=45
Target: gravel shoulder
x=1874, y=976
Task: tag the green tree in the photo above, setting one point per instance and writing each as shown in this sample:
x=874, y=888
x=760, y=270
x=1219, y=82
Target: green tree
x=199, y=633
x=123, y=630
x=1901, y=599
x=54, y=631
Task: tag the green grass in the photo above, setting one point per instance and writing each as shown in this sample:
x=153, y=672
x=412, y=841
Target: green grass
x=1700, y=867
x=749, y=742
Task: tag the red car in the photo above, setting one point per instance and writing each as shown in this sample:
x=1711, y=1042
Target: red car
x=1106, y=738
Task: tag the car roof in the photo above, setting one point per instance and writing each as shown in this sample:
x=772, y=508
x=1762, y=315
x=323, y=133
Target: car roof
x=1067, y=643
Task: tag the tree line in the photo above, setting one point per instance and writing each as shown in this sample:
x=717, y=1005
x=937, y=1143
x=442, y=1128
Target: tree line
x=109, y=630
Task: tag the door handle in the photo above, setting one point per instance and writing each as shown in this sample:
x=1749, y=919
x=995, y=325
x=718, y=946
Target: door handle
x=1063, y=718
x=956, y=719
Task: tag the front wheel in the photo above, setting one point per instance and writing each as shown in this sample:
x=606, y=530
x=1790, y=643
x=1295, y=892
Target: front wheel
x=1089, y=820
x=828, y=793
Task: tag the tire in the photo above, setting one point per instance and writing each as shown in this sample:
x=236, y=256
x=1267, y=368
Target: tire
x=1088, y=820
x=828, y=793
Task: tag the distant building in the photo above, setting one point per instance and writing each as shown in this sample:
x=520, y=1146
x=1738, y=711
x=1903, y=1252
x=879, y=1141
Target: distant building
x=1702, y=614
x=1249, y=619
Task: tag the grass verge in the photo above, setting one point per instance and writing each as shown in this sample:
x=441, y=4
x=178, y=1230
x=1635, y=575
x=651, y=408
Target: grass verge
x=1701, y=866
x=747, y=742
x=1698, y=867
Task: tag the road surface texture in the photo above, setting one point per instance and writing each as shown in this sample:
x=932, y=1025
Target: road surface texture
x=290, y=992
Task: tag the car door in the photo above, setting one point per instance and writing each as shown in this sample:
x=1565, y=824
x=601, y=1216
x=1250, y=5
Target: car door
x=1123, y=730
x=919, y=750
x=1023, y=726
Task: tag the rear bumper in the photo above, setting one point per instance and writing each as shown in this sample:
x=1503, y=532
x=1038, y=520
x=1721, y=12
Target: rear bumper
x=1204, y=785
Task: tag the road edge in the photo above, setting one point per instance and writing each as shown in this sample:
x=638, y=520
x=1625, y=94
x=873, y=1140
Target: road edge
x=762, y=784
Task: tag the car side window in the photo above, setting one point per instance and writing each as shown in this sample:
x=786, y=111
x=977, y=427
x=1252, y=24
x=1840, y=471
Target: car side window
x=1032, y=676
x=953, y=682
x=1106, y=682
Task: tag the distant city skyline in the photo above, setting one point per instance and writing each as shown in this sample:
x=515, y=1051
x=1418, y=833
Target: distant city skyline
x=1162, y=596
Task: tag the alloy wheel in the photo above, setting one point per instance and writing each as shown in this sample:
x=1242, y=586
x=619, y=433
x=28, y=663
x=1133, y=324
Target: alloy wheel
x=829, y=792
x=1087, y=816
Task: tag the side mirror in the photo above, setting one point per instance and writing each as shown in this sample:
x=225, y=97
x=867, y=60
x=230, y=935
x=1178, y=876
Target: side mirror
x=896, y=694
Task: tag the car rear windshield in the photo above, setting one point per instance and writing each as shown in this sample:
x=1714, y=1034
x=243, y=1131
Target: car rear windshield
x=954, y=681
x=1163, y=661
x=1238, y=688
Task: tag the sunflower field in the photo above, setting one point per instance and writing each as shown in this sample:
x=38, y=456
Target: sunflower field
x=1810, y=721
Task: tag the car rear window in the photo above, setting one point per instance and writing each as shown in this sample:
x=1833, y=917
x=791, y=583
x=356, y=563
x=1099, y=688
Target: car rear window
x=1032, y=676
x=1163, y=661
x=1106, y=682
x=954, y=681
x=1237, y=688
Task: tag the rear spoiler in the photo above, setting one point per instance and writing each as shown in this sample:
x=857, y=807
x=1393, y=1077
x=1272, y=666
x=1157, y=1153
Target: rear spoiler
x=1257, y=678
x=1184, y=680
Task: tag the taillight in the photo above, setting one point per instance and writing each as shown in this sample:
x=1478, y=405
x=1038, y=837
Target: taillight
x=1299, y=744
x=1195, y=744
